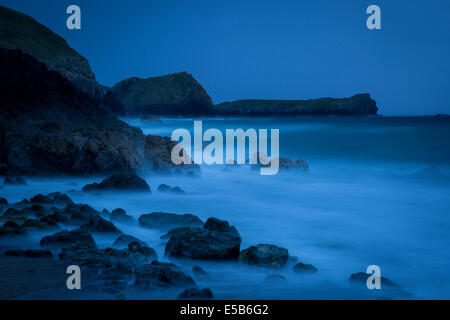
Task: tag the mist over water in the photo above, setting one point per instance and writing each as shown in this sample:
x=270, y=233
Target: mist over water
x=377, y=192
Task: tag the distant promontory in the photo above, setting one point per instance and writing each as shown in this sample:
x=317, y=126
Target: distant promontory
x=357, y=105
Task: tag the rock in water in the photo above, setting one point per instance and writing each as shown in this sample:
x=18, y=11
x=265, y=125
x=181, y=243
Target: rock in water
x=361, y=279
x=157, y=156
x=119, y=182
x=209, y=244
x=15, y=180
x=168, y=189
x=125, y=239
x=48, y=126
x=173, y=94
x=196, y=294
x=120, y=215
x=163, y=220
x=264, y=255
x=304, y=268
x=156, y=274
x=198, y=271
x=66, y=238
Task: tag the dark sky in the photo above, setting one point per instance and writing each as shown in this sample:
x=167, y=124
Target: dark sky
x=268, y=49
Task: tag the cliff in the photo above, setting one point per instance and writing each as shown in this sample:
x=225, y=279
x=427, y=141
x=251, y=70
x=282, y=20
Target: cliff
x=173, y=94
x=49, y=126
x=357, y=105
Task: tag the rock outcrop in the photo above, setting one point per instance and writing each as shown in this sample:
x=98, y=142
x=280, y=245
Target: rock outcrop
x=163, y=220
x=19, y=31
x=357, y=105
x=48, y=126
x=173, y=94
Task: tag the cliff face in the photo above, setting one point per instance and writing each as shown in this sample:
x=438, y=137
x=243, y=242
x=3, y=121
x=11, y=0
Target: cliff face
x=19, y=31
x=48, y=126
x=357, y=105
x=173, y=94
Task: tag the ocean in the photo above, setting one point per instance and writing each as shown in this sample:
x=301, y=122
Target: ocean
x=376, y=193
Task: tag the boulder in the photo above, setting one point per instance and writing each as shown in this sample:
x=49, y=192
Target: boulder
x=3, y=201
x=198, y=271
x=168, y=189
x=156, y=275
x=10, y=230
x=205, y=244
x=119, y=215
x=264, y=255
x=97, y=224
x=176, y=231
x=360, y=278
x=67, y=238
x=125, y=239
x=163, y=220
x=119, y=182
x=195, y=294
x=29, y=253
x=157, y=156
x=304, y=268
x=15, y=180
x=275, y=278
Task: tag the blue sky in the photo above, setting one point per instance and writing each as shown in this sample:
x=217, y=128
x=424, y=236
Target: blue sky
x=268, y=49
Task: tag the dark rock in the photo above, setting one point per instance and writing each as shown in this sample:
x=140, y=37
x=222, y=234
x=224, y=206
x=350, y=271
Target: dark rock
x=125, y=239
x=60, y=198
x=214, y=224
x=113, y=104
x=168, y=189
x=20, y=31
x=198, y=271
x=29, y=253
x=283, y=163
x=204, y=244
x=163, y=220
x=275, y=278
x=119, y=215
x=176, y=231
x=157, y=275
x=195, y=294
x=66, y=238
x=12, y=212
x=304, y=268
x=99, y=225
x=119, y=182
x=3, y=201
x=15, y=180
x=361, y=279
x=10, y=224
x=173, y=94
x=157, y=156
x=137, y=248
x=41, y=199
x=12, y=230
x=264, y=255
x=49, y=222
x=42, y=225
x=48, y=126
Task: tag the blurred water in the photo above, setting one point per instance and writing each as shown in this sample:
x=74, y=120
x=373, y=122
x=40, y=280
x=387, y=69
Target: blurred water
x=377, y=193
